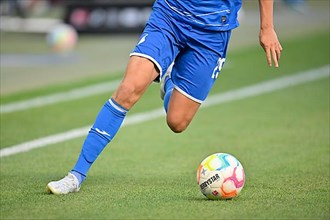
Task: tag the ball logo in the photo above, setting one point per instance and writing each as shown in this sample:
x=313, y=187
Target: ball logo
x=211, y=180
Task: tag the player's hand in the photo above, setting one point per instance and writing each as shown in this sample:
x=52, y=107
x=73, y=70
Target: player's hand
x=272, y=46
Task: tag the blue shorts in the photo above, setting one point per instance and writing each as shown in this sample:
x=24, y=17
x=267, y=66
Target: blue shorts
x=197, y=55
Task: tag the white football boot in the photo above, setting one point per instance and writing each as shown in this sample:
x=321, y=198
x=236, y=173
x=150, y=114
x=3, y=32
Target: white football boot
x=63, y=186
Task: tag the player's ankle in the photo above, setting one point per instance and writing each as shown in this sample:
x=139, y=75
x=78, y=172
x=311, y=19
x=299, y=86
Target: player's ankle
x=79, y=176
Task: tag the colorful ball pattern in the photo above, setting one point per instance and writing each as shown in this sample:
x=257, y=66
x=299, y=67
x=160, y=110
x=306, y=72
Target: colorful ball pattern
x=62, y=38
x=220, y=176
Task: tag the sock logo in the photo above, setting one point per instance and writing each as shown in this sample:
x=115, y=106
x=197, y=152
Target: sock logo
x=102, y=132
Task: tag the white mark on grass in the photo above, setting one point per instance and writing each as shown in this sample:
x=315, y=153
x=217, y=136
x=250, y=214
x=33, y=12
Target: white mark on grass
x=237, y=94
x=60, y=97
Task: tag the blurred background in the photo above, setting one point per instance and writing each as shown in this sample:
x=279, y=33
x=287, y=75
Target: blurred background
x=103, y=34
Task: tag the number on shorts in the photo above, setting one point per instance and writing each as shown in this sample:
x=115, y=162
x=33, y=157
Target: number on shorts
x=218, y=68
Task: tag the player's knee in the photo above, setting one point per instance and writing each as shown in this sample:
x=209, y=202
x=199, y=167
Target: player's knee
x=126, y=95
x=177, y=126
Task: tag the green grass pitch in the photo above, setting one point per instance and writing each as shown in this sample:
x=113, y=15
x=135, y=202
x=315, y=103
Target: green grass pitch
x=147, y=172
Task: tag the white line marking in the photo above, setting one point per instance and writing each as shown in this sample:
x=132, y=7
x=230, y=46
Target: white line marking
x=269, y=86
x=60, y=97
x=245, y=92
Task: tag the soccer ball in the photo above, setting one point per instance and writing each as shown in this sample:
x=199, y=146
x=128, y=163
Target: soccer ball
x=220, y=176
x=62, y=38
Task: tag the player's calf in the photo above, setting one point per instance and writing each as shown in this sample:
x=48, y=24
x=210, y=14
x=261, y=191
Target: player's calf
x=181, y=111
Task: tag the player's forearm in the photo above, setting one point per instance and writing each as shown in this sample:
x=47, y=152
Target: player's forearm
x=266, y=14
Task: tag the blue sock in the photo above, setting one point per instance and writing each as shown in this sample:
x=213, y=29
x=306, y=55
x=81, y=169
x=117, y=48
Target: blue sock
x=106, y=125
x=79, y=176
x=168, y=91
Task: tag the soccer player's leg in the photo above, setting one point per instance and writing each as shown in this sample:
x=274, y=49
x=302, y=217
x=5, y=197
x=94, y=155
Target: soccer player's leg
x=193, y=75
x=154, y=51
x=140, y=73
x=145, y=65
